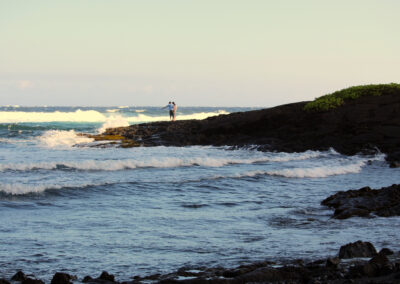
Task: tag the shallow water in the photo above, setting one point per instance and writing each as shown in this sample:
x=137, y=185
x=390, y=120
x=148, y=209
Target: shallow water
x=146, y=210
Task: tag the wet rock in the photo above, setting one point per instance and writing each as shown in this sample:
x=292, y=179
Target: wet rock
x=19, y=276
x=87, y=279
x=4, y=281
x=383, y=202
x=32, y=281
x=357, y=249
x=395, y=164
x=386, y=251
x=393, y=156
x=106, y=276
x=289, y=274
x=62, y=278
x=379, y=265
x=332, y=262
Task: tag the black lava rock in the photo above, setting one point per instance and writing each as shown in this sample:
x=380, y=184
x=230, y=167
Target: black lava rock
x=19, y=276
x=357, y=249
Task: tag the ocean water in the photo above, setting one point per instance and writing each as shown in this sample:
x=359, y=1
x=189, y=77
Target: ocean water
x=66, y=206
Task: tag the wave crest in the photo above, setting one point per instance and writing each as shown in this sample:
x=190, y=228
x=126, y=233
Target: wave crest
x=57, y=138
x=92, y=116
x=117, y=165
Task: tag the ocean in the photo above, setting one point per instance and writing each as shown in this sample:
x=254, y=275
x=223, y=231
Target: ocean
x=68, y=206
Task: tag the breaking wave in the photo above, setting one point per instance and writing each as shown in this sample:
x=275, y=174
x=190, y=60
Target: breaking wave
x=113, y=121
x=117, y=165
x=314, y=172
x=91, y=116
x=20, y=189
x=57, y=116
x=57, y=138
x=319, y=172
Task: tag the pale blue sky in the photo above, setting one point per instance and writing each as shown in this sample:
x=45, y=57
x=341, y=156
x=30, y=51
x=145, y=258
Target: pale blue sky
x=198, y=53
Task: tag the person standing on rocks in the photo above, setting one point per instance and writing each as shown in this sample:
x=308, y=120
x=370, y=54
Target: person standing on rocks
x=170, y=107
x=174, y=109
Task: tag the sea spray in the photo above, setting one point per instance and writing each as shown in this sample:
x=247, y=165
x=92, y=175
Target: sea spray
x=61, y=138
x=56, y=116
x=113, y=121
x=92, y=116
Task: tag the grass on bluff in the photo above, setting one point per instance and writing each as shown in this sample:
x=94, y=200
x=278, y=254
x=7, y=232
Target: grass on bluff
x=338, y=98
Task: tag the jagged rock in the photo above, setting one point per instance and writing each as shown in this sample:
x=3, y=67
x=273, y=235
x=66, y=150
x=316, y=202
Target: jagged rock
x=108, y=277
x=4, y=281
x=383, y=202
x=19, y=276
x=62, y=278
x=357, y=249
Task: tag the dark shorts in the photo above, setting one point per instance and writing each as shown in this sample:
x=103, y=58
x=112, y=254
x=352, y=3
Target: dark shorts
x=171, y=113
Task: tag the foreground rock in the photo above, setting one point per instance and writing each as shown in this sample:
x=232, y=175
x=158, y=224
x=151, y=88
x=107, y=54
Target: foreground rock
x=365, y=123
x=62, y=278
x=394, y=159
x=357, y=249
x=382, y=267
x=383, y=202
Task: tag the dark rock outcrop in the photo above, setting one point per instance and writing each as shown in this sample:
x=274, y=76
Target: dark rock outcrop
x=377, y=266
x=19, y=276
x=394, y=159
x=381, y=268
x=62, y=278
x=32, y=281
x=358, y=125
x=383, y=202
x=378, y=269
x=357, y=249
x=106, y=276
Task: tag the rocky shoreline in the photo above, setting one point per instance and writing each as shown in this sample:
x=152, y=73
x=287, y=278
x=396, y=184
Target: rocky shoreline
x=362, y=125
x=367, y=125
x=357, y=262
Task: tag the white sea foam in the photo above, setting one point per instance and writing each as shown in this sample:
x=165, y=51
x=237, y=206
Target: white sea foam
x=165, y=162
x=318, y=172
x=113, y=121
x=20, y=189
x=140, y=110
x=76, y=116
x=112, y=110
x=90, y=116
x=314, y=172
x=57, y=138
x=199, y=115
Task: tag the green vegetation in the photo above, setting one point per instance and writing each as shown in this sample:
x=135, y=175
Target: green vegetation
x=338, y=98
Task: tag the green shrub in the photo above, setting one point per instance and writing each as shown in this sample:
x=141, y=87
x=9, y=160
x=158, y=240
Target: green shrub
x=338, y=98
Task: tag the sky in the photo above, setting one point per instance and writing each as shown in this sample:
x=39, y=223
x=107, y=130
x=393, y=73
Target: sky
x=258, y=53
